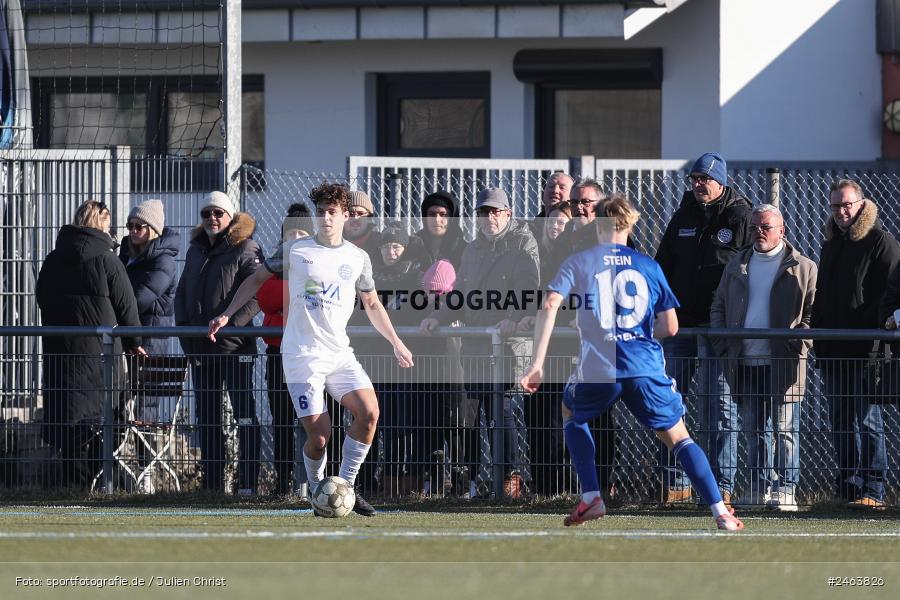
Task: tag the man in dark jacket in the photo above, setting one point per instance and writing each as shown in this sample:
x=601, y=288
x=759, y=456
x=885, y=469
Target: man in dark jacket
x=81, y=283
x=705, y=233
x=501, y=262
x=221, y=255
x=854, y=264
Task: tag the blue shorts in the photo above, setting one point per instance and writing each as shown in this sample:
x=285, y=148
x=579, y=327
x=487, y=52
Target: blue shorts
x=653, y=401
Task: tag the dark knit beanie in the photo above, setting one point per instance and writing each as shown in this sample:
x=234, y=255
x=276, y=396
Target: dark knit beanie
x=440, y=198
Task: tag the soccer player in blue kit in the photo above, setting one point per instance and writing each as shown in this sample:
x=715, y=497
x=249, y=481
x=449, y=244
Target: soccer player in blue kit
x=624, y=306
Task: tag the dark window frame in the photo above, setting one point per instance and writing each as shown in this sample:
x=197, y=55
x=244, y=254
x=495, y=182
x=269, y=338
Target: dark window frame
x=581, y=69
x=156, y=171
x=392, y=88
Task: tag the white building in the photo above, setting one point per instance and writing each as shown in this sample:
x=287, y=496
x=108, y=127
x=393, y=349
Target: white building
x=770, y=80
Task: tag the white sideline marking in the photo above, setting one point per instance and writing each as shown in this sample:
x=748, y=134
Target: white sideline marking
x=476, y=535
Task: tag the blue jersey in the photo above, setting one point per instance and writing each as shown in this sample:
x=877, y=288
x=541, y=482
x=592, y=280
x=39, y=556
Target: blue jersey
x=617, y=293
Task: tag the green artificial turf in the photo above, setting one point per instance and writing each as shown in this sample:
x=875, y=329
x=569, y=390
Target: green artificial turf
x=264, y=552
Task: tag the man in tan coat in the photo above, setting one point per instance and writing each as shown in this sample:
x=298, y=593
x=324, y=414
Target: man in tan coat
x=767, y=285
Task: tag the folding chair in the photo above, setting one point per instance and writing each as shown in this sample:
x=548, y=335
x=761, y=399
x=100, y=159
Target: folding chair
x=151, y=430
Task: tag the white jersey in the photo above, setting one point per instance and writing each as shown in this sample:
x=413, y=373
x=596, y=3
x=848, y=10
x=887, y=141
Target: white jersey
x=322, y=286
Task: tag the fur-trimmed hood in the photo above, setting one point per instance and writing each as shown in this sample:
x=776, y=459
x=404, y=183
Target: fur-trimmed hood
x=242, y=227
x=866, y=220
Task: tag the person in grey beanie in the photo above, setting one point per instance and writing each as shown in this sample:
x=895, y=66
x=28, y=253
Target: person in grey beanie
x=148, y=253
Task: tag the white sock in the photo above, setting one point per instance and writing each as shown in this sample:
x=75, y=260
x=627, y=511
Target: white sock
x=353, y=454
x=718, y=509
x=315, y=469
x=588, y=497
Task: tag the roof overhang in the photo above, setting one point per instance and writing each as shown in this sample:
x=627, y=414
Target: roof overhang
x=64, y=22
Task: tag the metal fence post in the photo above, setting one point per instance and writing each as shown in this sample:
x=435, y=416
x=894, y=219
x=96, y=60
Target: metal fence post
x=583, y=167
x=119, y=201
x=495, y=425
x=773, y=186
x=108, y=361
x=394, y=181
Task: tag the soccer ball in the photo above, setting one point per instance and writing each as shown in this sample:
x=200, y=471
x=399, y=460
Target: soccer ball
x=333, y=497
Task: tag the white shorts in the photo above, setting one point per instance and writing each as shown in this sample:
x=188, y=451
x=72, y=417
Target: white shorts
x=308, y=376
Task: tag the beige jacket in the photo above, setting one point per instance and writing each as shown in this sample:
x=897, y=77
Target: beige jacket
x=790, y=306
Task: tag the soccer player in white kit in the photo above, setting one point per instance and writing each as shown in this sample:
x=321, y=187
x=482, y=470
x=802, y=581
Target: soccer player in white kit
x=325, y=273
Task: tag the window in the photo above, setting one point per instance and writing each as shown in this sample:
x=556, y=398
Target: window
x=605, y=123
x=157, y=117
x=104, y=120
x=434, y=114
x=606, y=103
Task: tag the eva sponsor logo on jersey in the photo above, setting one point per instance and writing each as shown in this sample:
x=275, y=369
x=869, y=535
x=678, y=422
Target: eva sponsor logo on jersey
x=319, y=293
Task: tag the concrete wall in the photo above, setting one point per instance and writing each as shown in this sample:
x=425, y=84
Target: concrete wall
x=761, y=80
x=317, y=96
x=801, y=80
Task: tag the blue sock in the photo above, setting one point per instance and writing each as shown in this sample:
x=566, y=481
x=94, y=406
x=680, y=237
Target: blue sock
x=696, y=465
x=580, y=443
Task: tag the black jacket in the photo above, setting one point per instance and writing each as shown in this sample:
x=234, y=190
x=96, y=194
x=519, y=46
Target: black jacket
x=853, y=273
x=211, y=276
x=81, y=283
x=153, y=279
x=396, y=283
x=694, y=251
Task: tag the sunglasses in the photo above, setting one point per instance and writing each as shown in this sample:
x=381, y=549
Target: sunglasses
x=763, y=228
x=136, y=226
x=836, y=208
x=212, y=212
x=699, y=179
x=489, y=212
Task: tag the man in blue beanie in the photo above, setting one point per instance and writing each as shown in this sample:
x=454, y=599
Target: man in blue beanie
x=705, y=233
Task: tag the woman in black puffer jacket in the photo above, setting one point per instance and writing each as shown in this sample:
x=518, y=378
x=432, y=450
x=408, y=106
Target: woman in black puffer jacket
x=148, y=253
x=81, y=283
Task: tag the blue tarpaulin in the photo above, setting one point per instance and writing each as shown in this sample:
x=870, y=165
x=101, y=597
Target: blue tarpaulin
x=7, y=83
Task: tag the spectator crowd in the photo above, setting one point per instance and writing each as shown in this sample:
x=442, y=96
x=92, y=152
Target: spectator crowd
x=730, y=263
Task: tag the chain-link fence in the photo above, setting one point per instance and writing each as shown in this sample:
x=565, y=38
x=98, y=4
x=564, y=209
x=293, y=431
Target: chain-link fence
x=36, y=206
x=174, y=424
x=801, y=192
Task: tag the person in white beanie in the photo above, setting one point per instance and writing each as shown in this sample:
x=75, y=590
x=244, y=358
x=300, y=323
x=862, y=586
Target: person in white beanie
x=148, y=253
x=221, y=255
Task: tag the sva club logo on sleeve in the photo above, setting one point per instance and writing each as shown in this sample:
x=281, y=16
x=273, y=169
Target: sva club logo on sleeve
x=725, y=236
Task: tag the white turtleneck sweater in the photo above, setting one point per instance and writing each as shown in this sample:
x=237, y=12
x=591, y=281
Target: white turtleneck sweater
x=762, y=270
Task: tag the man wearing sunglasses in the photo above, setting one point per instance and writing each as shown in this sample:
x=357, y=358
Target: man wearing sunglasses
x=221, y=255
x=768, y=284
x=854, y=264
x=705, y=233
x=500, y=263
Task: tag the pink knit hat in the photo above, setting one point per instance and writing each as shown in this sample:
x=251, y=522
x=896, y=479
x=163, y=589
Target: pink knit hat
x=439, y=278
